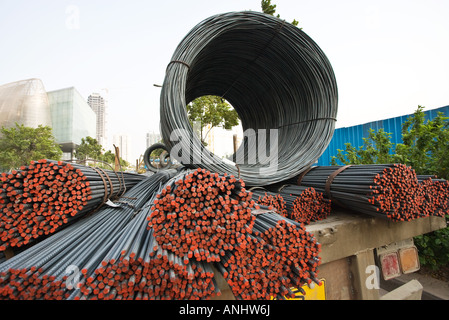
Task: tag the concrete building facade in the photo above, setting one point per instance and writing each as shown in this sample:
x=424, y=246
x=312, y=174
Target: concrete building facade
x=24, y=102
x=122, y=142
x=99, y=106
x=73, y=119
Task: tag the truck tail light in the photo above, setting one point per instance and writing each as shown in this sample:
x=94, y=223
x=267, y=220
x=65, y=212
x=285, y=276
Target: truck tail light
x=409, y=259
x=398, y=258
x=389, y=263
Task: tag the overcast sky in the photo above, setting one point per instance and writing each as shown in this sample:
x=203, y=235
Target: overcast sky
x=388, y=56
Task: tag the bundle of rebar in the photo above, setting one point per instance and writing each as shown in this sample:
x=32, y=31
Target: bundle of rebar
x=192, y=221
x=280, y=83
x=136, y=268
x=278, y=255
x=435, y=194
x=301, y=204
x=46, y=195
x=305, y=204
x=122, y=251
x=48, y=269
x=272, y=200
x=144, y=263
x=201, y=214
x=382, y=190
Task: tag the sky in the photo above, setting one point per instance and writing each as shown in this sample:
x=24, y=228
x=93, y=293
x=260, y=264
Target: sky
x=388, y=56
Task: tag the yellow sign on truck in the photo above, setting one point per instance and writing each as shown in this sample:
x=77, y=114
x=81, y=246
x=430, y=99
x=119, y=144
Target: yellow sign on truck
x=314, y=292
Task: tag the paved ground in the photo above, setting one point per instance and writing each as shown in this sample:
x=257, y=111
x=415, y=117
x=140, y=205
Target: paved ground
x=433, y=289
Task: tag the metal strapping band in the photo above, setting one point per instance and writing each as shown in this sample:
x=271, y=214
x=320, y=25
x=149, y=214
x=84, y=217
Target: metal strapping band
x=310, y=120
x=9, y=253
x=105, y=198
x=238, y=170
x=122, y=187
x=121, y=181
x=329, y=181
x=301, y=176
x=178, y=61
x=282, y=188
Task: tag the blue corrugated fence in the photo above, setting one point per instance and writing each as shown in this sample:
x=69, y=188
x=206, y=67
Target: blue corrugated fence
x=355, y=134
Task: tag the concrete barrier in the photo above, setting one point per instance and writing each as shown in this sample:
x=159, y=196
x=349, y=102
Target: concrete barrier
x=412, y=290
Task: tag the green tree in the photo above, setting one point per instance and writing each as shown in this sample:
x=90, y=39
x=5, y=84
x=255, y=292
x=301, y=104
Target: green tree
x=433, y=248
x=425, y=144
x=270, y=9
x=109, y=157
x=90, y=149
x=20, y=144
x=210, y=112
x=376, y=148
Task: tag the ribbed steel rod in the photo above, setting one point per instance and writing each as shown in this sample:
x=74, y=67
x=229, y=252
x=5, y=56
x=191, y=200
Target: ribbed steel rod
x=279, y=254
x=435, y=194
x=273, y=200
x=136, y=268
x=40, y=272
x=46, y=195
x=201, y=214
x=162, y=242
x=391, y=191
x=301, y=204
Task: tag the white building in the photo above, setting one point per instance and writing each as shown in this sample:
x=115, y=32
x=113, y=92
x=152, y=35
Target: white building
x=122, y=141
x=99, y=106
x=152, y=138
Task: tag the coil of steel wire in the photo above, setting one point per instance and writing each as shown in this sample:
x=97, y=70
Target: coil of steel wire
x=277, y=79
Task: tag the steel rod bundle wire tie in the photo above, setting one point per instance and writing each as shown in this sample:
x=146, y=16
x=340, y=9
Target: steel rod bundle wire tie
x=106, y=195
x=302, y=175
x=102, y=174
x=178, y=61
x=330, y=179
